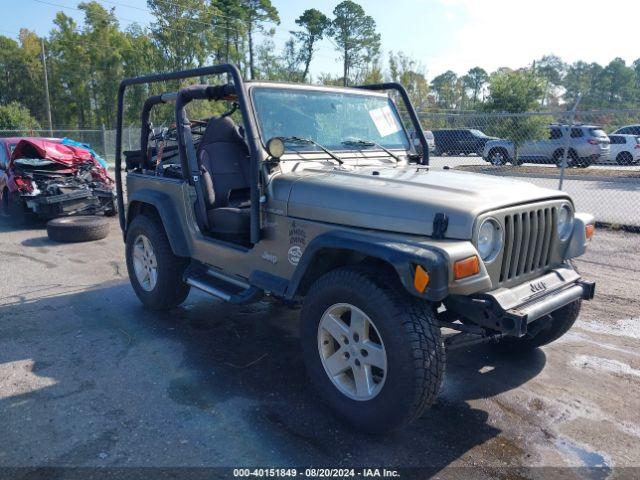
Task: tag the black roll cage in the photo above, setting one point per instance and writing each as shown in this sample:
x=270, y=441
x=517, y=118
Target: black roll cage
x=188, y=160
x=184, y=96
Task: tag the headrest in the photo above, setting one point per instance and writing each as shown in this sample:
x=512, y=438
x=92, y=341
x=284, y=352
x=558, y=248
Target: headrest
x=222, y=129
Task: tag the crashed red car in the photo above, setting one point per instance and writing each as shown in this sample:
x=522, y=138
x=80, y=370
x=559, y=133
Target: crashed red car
x=51, y=179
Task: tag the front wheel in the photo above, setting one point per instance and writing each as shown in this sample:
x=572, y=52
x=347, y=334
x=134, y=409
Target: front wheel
x=560, y=322
x=154, y=271
x=498, y=157
x=374, y=353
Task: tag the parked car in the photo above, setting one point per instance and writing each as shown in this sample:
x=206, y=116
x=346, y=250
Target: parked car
x=586, y=145
x=628, y=130
x=50, y=178
x=428, y=134
x=625, y=149
x=460, y=141
x=380, y=253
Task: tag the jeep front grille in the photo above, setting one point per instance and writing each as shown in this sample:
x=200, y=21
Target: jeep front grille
x=528, y=239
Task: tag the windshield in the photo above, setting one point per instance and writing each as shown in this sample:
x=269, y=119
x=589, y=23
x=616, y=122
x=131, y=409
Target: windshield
x=478, y=133
x=328, y=118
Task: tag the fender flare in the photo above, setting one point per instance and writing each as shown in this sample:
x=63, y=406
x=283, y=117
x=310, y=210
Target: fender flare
x=168, y=215
x=401, y=256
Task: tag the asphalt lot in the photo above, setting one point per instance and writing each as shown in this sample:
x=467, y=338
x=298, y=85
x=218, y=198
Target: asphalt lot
x=610, y=199
x=89, y=378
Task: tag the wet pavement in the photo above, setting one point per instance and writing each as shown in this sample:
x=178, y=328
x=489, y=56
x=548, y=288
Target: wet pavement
x=88, y=377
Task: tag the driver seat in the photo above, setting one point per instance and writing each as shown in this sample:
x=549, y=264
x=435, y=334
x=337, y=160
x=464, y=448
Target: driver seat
x=223, y=158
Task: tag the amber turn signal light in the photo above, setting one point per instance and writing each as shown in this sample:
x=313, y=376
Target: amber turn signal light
x=466, y=267
x=421, y=279
x=589, y=230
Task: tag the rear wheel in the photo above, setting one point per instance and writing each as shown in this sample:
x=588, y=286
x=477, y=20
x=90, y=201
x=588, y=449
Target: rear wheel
x=374, y=353
x=560, y=322
x=624, y=158
x=156, y=274
x=573, y=159
x=498, y=157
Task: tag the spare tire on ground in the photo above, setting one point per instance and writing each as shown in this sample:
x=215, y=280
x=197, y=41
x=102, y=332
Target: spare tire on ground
x=77, y=229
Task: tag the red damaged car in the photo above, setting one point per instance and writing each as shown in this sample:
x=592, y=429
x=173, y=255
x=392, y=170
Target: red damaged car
x=49, y=178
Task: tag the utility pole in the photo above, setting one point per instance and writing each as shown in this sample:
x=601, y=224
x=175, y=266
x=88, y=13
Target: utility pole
x=46, y=88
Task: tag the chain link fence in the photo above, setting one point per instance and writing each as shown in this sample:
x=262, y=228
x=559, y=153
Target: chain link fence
x=574, y=151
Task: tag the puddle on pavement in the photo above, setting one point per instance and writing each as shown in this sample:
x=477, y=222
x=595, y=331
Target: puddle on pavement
x=596, y=467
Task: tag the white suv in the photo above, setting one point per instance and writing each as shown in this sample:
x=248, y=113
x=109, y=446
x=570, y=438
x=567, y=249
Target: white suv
x=625, y=149
x=586, y=145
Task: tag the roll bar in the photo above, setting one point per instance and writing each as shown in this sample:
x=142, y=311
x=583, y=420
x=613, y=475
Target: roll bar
x=183, y=97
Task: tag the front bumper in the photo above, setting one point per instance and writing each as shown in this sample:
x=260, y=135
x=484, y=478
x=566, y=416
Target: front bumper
x=82, y=201
x=510, y=311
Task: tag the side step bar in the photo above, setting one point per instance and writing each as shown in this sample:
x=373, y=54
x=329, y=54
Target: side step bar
x=227, y=288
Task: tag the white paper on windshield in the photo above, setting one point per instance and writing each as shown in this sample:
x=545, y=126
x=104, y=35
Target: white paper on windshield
x=384, y=120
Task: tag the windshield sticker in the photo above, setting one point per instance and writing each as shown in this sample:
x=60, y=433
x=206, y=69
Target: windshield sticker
x=384, y=121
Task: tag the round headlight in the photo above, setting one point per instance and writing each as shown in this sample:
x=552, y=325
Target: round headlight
x=565, y=222
x=489, y=240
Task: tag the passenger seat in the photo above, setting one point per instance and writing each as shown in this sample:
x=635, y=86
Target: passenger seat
x=223, y=156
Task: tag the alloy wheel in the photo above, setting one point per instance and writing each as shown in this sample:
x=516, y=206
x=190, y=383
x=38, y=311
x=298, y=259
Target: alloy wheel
x=145, y=264
x=352, y=351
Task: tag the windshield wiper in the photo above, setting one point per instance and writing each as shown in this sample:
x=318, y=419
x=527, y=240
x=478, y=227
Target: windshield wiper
x=359, y=142
x=308, y=141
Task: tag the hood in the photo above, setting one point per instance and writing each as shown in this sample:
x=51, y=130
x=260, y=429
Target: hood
x=53, y=150
x=69, y=156
x=402, y=199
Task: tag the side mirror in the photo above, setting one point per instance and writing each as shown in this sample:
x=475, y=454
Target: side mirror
x=275, y=147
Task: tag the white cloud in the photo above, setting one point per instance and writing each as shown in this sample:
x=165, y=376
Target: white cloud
x=497, y=33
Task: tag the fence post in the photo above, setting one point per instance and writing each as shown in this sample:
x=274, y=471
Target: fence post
x=572, y=119
x=104, y=142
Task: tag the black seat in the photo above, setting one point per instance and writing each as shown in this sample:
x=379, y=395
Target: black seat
x=223, y=157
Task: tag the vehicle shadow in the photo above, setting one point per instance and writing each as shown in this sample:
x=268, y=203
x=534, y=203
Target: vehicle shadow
x=99, y=380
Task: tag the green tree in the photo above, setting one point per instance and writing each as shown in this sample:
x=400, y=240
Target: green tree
x=140, y=58
x=229, y=32
x=15, y=117
x=618, y=85
x=410, y=74
x=355, y=35
x=516, y=92
x=256, y=14
x=552, y=69
x=444, y=86
x=475, y=80
x=315, y=25
x=636, y=69
x=17, y=82
x=104, y=44
x=69, y=64
x=181, y=31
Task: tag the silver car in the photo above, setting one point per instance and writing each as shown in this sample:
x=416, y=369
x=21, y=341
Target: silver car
x=431, y=141
x=586, y=144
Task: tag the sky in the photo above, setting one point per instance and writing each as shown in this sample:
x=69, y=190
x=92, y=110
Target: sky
x=440, y=34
